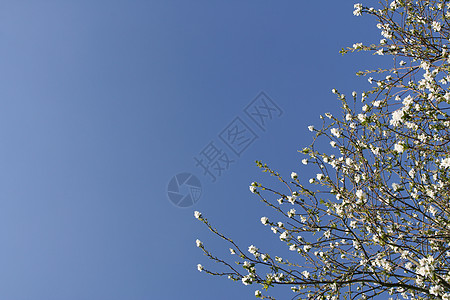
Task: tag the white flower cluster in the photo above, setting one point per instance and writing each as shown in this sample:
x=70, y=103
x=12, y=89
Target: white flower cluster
x=445, y=163
x=265, y=220
x=377, y=204
x=425, y=267
x=436, y=26
x=357, y=9
x=253, y=250
x=336, y=132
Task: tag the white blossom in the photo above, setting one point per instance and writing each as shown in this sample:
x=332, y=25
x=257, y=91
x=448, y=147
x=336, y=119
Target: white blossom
x=408, y=101
x=436, y=290
x=379, y=52
x=436, y=26
x=399, y=147
x=246, y=280
x=253, y=250
x=291, y=199
x=336, y=132
x=265, y=220
x=284, y=236
x=291, y=213
x=445, y=163
x=397, y=117
x=360, y=195
x=396, y=186
x=357, y=9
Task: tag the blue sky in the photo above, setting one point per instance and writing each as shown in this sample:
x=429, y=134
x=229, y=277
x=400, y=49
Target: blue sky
x=102, y=102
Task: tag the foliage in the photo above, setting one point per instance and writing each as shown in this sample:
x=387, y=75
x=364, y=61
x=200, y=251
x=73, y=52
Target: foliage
x=375, y=219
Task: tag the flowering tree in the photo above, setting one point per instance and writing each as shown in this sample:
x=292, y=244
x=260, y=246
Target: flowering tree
x=375, y=221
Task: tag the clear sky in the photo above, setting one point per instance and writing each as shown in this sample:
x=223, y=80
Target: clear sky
x=103, y=102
